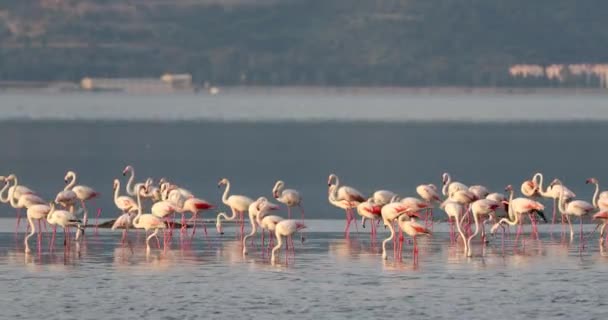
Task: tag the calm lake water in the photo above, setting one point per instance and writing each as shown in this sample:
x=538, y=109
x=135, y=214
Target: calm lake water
x=372, y=140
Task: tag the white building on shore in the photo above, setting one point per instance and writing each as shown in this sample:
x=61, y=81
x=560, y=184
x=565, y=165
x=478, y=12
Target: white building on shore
x=168, y=83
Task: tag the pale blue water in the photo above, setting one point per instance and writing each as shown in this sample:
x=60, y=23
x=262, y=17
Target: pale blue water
x=372, y=140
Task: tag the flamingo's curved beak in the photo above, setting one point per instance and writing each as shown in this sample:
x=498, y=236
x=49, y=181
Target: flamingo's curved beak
x=219, y=228
x=588, y=181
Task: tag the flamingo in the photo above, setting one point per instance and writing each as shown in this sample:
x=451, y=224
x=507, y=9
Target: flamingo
x=83, y=193
x=174, y=193
x=289, y=197
x=372, y=211
x=479, y=209
x=455, y=211
x=268, y=222
x=450, y=186
x=64, y=219
x=518, y=207
x=285, y=228
x=124, y=221
x=553, y=191
x=195, y=206
x=577, y=208
x=382, y=197
x=428, y=192
x=256, y=209
x=479, y=191
x=162, y=210
x=412, y=228
x=345, y=192
x=500, y=199
x=529, y=189
x=147, y=221
x=390, y=213
x=344, y=204
x=603, y=217
x=124, y=203
x=17, y=191
x=35, y=212
x=237, y=203
x=130, y=187
x=599, y=200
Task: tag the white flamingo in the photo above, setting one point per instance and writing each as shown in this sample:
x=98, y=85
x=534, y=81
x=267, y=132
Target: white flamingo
x=238, y=204
x=289, y=197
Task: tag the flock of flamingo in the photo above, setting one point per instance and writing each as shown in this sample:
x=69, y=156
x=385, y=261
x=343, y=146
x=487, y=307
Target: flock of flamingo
x=464, y=205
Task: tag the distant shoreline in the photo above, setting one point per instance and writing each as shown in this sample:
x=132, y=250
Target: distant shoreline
x=72, y=88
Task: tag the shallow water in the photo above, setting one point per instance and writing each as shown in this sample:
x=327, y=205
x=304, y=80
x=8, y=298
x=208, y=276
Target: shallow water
x=244, y=137
x=330, y=277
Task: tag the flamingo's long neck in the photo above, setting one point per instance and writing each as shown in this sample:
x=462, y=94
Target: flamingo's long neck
x=476, y=219
x=129, y=187
x=32, y=232
x=252, y=219
x=444, y=189
x=279, y=242
x=72, y=182
x=11, y=195
x=332, y=196
x=543, y=191
x=117, y=190
x=594, y=200
x=49, y=216
x=392, y=230
x=561, y=205
x=4, y=189
x=225, y=195
x=139, y=211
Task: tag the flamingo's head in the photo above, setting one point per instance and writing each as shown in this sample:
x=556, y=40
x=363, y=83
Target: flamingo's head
x=127, y=169
x=222, y=182
x=300, y=226
x=116, y=183
x=277, y=187
x=142, y=188
x=444, y=178
x=218, y=227
x=69, y=175
x=330, y=179
x=555, y=181
x=591, y=180
x=530, y=184
x=11, y=176
x=509, y=188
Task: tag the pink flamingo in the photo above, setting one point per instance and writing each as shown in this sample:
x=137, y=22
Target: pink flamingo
x=285, y=228
x=257, y=209
x=390, y=213
x=17, y=191
x=195, y=206
x=479, y=191
x=599, y=200
x=577, y=208
x=428, y=192
x=289, y=197
x=372, y=211
x=83, y=193
x=382, y=197
x=35, y=212
x=344, y=192
x=346, y=205
x=65, y=220
x=412, y=228
x=517, y=208
x=450, y=186
x=553, y=191
x=480, y=209
x=237, y=203
x=147, y=222
x=603, y=217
